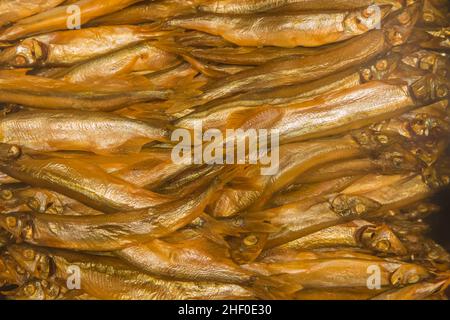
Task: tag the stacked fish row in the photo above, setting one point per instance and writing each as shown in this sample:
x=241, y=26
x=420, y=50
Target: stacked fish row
x=93, y=205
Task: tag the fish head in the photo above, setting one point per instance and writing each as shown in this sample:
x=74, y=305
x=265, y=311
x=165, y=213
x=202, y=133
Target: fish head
x=359, y=22
x=42, y=201
x=36, y=290
x=399, y=27
x=17, y=224
x=397, y=160
x=408, y=274
x=13, y=200
x=382, y=239
x=381, y=69
x=247, y=248
x=11, y=273
x=428, y=61
x=438, y=175
x=9, y=152
x=36, y=262
x=353, y=206
x=27, y=53
x=431, y=87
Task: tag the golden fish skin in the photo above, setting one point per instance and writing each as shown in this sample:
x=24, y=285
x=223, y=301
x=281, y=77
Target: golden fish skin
x=43, y=93
x=212, y=113
x=151, y=173
x=249, y=56
x=292, y=70
x=148, y=12
x=387, y=163
x=295, y=159
x=364, y=198
x=288, y=31
x=201, y=40
x=135, y=58
x=191, y=258
x=254, y=6
x=342, y=272
x=84, y=182
x=317, y=190
x=77, y=130
x=337, y=112
x=65, y=48
x=419, y=291
x=393, y=195
x=114, y=231
x=56, y=18
x=300, y=157
x=288, y=71
x=173, y=77
x=327, y=115
x=358, y=233
x=109, y=278
x=14, y=10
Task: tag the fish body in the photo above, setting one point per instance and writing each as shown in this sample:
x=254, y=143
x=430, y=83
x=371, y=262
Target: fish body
x=96, y=132
x=294, y=70
x=254, y=6
x=109, y=278
x=189, y=258
x=66, y=48
x=84, y=182
x=114, y=231
x=14, y=10
x=283, y=30
x=44, y=93
x=135, y=58
x=57, y=18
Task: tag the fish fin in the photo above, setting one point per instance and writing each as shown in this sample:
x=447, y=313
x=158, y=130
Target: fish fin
x=255, y=118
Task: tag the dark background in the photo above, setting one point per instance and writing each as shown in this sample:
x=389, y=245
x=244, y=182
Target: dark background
x=440, y=222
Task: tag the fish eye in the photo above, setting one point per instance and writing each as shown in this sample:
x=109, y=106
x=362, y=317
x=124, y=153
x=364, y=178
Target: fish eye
x=383, y=245
x=29, y=289
x=20, y=60
x=6, y=194
x=29, y=254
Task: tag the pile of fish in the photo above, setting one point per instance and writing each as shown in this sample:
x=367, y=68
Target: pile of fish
x=93, y=205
